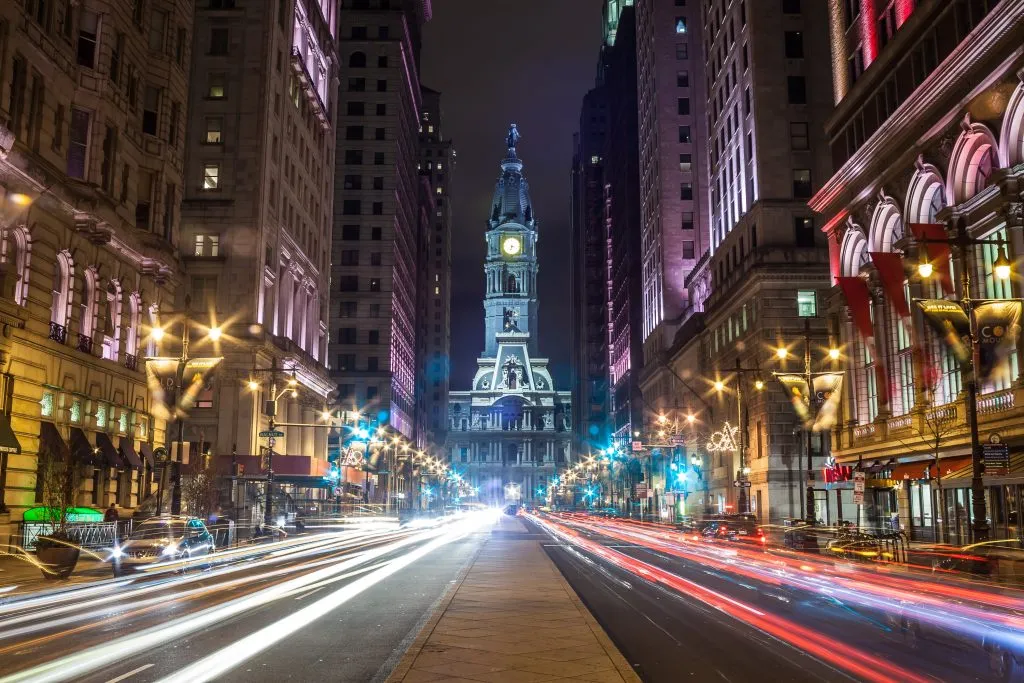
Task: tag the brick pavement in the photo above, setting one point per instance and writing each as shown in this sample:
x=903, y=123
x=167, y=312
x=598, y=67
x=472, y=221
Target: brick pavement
x=512, y=619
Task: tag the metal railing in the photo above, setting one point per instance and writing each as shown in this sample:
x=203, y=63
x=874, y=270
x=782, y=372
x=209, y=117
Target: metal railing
x=88, y=535
x=58, y=333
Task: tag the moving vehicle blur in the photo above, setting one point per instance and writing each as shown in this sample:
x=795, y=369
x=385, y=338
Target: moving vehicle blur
x=161, y=539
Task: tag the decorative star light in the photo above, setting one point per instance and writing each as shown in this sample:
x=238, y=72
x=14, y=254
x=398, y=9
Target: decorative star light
x=724, y=439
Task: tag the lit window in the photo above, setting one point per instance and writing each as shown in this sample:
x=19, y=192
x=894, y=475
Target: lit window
x=211, y=176
x=207, y=245
x=595, y=159
x=437, y=290
x=430, y=129
x=216, y=89
x=806, y=304
x=440, y=166
x=439, y=189
x=213, y=130
x=680, y=24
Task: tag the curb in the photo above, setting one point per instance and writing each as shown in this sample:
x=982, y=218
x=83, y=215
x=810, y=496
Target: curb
x=621, y=665
x=401, y=670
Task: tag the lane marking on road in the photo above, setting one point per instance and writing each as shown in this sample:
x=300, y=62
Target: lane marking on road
x=308, y=593
x=130, y=673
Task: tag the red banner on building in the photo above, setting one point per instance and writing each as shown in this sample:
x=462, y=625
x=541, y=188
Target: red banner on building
x=891, y=273
x=858, y=298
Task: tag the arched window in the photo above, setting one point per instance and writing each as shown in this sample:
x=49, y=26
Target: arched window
x=853, y=252
x=131, y=340
x=1011, y=137
x=87, y=322
x=513, y=284
x=357, y=60
x=17, y=253
x=971, y=165
x=63, y=278
x=886, y=226
x=153, y=319
x=112, y=320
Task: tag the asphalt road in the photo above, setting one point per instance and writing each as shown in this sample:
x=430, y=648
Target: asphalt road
x=338, y=607
x=681, y=632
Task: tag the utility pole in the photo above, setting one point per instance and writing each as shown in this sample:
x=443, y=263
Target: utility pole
x=811, y=519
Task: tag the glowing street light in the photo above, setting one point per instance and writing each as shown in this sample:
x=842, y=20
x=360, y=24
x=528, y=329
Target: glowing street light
x=833, y=353
x=782, y=353
x=214, y=333
x=156, y=334
x=719, y=385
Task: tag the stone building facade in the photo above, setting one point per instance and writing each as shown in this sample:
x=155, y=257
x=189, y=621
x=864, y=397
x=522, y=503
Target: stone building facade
x=256, y=223
x=92, y=98
x=929, y=129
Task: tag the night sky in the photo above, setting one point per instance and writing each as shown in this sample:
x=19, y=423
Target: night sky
x=497, y=62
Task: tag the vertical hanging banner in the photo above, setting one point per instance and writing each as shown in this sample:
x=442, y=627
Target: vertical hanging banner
x=936, y=246
x=162, y=378
x=891, y=273
x=827, y=391
x=998, y=325
x=797, y=390
x=858, y=298
x=950, y=322
x=197, y=376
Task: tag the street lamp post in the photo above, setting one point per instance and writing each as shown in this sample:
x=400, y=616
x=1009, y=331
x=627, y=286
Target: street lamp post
x=270, y=408
x=1002, y=270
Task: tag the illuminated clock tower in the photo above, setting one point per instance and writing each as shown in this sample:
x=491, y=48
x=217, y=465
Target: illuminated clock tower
x=510, y=304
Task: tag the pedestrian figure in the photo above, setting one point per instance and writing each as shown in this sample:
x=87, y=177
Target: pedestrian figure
x=111, y=514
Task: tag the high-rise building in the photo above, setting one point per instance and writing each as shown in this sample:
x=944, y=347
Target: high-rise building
x=621, y=165
x=671, y=81
x=764, y=280
x=256, y=226
x=92, y=119
x=588, y=330
x=437, y=168
x=372, y=351
x=928, y=144
x=509, y=433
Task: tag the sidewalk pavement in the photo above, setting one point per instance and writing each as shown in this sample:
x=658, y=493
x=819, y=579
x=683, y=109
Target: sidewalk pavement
x=512, y=619
x=27, y=577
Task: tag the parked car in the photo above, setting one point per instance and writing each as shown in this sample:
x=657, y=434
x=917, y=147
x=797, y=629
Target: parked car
x=162, y=539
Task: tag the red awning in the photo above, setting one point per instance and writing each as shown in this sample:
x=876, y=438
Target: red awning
x=922, y=469
x=955, y=468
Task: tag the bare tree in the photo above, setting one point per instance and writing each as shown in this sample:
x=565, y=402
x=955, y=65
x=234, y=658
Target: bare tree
x=60, y=483
x=199, y=493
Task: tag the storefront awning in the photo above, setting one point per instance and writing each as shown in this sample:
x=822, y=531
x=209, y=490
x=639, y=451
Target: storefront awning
x=147, y=453
x=107, y=451
x=128, y=454
x=81, y=449
x=956, y=468
x=8, y=441
x=922, y=469
x=51, y=441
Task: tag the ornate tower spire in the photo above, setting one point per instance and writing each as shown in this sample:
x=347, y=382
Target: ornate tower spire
x=510, y=303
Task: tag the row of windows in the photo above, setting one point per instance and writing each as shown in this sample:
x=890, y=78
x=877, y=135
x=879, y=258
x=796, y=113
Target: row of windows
x=350, y=335
x=347, y=362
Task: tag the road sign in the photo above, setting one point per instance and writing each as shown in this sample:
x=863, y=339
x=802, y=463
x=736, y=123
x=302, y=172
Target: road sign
x=741, y=484
x=995, y=455
x=638, y=446
x=271, y=434
x=858, y=488
x=641, y=490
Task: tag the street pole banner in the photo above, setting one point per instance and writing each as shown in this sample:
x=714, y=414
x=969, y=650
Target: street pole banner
x=197, y=376
x=827, y=391
x=797, y=390
x=998, y=325
x=162, y=378
x=950, y=322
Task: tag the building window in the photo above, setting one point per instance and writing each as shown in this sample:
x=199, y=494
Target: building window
x=215, y=89
x=377, y=208
x=687, y=220
x=796, y=88
x=356, y=109
x=886, y=25
x=372, y=364
x=798, y=139
x=157, y=26
x=347, y=335
x=354, y=157
x=204, y=291
x=88, y=34
x=682, y=51
x=680, y=24
x=685, y=162
x=686, y=191
x=78, y=143
x=382, y=86
x=794, y=41
x=350, y=257
x=346, y=361
x=349, y=232
x=682, y=79
x=353, y=182
x=804, y=231
x=378, y=182
x=374, y=284
x=791, y=6
x=688, y=250
x=353, y=132
x=373, y=337
x=806, y=303
x=348, y=309
x=218, y=41
x=802, y=183
x=378, y=158
x=207, y=245
x=144, y=200
x=211, y=176
x=352, y=207
x=357, y=85
x=684, y=134
x=375, y=234
x=150, y=109
x=348, y=283
x=683, y=106
x=213, y=130
x=382, y=62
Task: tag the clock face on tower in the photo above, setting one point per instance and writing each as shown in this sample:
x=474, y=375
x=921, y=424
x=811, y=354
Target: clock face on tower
x=511, y=246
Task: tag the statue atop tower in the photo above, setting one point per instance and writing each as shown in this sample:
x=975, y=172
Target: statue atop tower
x=512, y=138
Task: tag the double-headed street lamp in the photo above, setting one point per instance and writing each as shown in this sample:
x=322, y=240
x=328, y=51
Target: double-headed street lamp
x=291, y=388
x=741, y=444
x=781, y=354
x=1002, y=268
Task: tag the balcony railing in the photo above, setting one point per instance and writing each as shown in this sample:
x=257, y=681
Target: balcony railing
x=84, y=343
x=997, y=402
x=131, y=361
x=58, y=333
